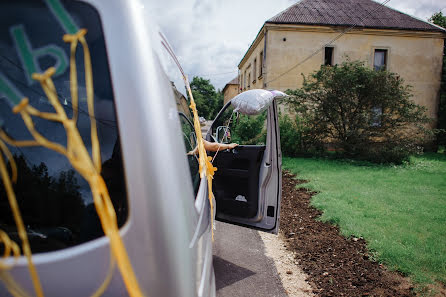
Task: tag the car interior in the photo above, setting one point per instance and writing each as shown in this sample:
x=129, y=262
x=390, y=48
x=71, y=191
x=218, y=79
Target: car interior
x=236, y=181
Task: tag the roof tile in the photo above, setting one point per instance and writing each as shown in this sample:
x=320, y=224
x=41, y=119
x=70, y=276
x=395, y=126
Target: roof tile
x=362, y=13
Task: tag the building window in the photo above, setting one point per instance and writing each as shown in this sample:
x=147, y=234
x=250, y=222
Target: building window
x=380, y=59
x=244, y=80
x=249, y=80
x=261, y=64
x=375, y=120
x=328, y=59
x=254, y=70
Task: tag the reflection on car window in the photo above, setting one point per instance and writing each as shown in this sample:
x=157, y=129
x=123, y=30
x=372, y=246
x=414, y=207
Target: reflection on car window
x=185, y=115
x=55, y=201
x=239, y=128
x=190, y=142
x=189, y=137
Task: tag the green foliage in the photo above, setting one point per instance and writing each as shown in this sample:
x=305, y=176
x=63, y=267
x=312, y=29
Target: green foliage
x=209, y=102
x=44, y=200
x=440, y=20
x=367, y=114
x=290, y=136
x=295, y=136
x=249, y=130
x=219, y=103
x=398, y=210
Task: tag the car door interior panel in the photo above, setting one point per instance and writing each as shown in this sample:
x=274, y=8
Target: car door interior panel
x=236, y=182
x=247, y=182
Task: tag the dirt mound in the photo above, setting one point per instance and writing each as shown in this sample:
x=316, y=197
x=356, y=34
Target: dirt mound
x=335, y=265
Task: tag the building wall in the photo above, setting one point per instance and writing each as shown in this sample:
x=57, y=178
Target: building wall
x=182, y=104
x=415, y=56
x=248, y=67
x=229, y=92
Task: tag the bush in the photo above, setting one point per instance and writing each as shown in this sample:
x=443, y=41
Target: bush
x=366, y=114
x=249, y=129
x=389, y=152
x=296, y=138
x=290, y=136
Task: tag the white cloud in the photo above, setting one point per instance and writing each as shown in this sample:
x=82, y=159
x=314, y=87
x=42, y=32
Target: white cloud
x=422, y=9
x=210, y=37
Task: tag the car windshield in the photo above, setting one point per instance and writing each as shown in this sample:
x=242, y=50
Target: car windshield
x=55, y=201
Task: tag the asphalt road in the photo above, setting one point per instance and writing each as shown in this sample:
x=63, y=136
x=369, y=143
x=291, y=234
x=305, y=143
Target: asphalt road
x=241, y=267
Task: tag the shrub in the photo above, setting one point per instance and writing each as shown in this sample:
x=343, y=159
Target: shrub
x=389, y=152
x=290, y=136
x=367, y=114
x=296, y=138
x=249, y=129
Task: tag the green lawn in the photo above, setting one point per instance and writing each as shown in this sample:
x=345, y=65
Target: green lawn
x=399, y=210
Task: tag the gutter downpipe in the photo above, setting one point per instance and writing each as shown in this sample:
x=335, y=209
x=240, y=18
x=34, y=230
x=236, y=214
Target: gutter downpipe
x=265, y=35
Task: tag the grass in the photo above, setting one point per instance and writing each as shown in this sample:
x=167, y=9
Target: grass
x=399, y=210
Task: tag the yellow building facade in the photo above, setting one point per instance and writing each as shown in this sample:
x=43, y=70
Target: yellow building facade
x=287, y=51
x=230, y=90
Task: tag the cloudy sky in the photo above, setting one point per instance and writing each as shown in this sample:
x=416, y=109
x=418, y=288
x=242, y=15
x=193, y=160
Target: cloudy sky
x=210, y=37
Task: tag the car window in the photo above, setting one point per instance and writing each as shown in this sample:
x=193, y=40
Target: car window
x=55, y=201
x=190, y=142
x=231, y=126
x=182, y=104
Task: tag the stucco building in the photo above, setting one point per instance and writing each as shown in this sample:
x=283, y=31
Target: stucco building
x=309, y=34
x=181, y=101
x=231, y=89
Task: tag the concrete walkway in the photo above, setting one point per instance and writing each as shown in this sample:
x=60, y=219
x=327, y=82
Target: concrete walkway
x=241, y=266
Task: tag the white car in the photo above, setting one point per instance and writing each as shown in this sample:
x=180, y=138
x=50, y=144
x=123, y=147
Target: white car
x=202, y=121
x=161, y=203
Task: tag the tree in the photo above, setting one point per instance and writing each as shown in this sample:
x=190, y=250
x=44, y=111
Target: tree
x=219, y=103
x=440, y=20
x=208, y=101
x=367, y=113
x=46, y=202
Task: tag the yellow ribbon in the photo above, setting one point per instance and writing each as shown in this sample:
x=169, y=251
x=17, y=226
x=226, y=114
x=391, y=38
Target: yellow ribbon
x=9, y=244
x=205, y=166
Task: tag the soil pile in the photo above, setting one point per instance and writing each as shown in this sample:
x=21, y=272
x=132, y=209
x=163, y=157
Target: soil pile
x=335, y=265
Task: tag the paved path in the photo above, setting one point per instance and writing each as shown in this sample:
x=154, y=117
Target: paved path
x=241, y=267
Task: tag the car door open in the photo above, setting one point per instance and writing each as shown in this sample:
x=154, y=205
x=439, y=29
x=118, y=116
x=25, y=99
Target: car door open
x=247, y=183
